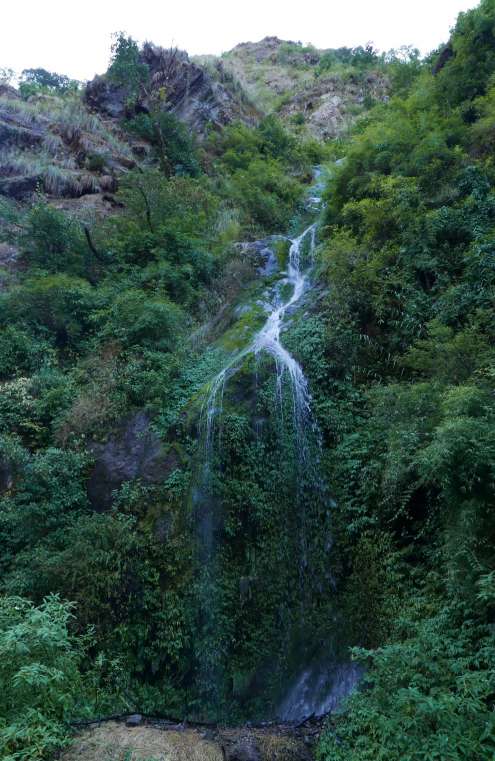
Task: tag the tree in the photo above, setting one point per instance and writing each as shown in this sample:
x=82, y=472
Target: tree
x=40, y=80
x=126, y=68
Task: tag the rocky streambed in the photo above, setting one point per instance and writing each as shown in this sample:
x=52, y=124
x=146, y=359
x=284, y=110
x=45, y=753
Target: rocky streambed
x=144, y=739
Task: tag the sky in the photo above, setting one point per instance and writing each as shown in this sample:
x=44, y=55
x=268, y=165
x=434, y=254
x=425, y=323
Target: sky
x=75, y=38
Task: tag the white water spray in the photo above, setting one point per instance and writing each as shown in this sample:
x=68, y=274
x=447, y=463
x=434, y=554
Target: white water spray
x=268, y=340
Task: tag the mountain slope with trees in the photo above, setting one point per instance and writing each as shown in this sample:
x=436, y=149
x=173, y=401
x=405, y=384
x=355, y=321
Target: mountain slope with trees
x=112, y=325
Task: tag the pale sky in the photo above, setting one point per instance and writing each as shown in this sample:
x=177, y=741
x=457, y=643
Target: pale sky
x=74, y=38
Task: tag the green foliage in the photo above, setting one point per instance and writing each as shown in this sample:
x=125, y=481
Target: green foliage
x=126, y=68
x=55, y=243
x=467, y=74
x=40, y=81
x=265, y=167
x=193, y=594
x=173, y=145
x=429, y=695
x=408, y=259
x=6, y=75
x=57, y=307
x=40, y=677
x=135, y=319
x=359, y=57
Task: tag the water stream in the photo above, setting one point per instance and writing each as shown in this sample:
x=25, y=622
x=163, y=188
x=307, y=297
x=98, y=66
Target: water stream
x=317, y=688
x=268, y=340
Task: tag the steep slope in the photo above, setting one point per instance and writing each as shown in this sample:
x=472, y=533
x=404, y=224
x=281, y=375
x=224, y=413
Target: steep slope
x=78, y=144
x=55, y=145
x=178, y=85
x=242, y=430
x=321, y=89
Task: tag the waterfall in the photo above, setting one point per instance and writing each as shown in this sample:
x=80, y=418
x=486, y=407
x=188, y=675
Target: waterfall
x=268, y=340
x=333, y=680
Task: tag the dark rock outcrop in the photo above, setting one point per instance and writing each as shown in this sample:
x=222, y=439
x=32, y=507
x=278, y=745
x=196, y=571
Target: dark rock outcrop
x=446, y=54
x=20, y=187
x=192, y=94
x=261, y=253
x=107, y=98
x=133, y=452
x=56, y=146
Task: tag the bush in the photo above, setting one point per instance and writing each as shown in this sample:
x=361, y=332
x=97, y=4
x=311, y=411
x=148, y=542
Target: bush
x=174, y=146
x=137, y=320
x=39, y=673
x=54, y=242
x=427, y=695
x=126, y=69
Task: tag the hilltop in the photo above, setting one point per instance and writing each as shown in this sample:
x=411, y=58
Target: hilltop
x=320, y=90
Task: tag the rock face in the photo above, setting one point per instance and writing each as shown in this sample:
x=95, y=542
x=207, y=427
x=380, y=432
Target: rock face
x=446, y=54
x=135, y=451
x=329, y=106
x=192, y=94
x=283, y=76
x=261, y=253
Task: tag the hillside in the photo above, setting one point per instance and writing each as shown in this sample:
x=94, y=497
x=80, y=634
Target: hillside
x=247, y=453
x=321, y=91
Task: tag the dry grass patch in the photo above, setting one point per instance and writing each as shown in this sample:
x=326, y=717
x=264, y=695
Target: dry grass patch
x=116, y=742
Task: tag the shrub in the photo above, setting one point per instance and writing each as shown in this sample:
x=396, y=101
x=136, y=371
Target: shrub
x=137, y=320
x=429, y=695
x=39, y=661
x=126, y=68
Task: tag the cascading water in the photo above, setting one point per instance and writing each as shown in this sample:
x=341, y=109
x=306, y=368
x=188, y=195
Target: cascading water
x=293, y=396
x=268, y=340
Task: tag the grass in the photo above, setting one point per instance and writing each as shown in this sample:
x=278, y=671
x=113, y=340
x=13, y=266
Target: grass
x=70, y=134
x=57, y=176
x=116, y=742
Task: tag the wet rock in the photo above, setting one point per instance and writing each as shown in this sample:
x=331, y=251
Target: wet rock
x=319, y=689
x=9, y=263
x=261, y=253
x=245, y=749
x=6, y=476
x=134, y=721
x=135, y=451
x=8, y=255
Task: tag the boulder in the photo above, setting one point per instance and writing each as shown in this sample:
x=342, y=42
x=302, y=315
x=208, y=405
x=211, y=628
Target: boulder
x=134, y=721
x=133, y=452
x=106, y=97
x=20, y=187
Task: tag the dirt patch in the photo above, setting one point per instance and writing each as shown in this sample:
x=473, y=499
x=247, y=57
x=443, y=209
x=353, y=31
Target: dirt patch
x=114, y=741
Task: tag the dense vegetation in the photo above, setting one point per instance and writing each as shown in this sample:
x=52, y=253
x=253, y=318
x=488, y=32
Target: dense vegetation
x=104, y=319
x=405, y=392
x=103, y=605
